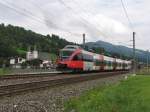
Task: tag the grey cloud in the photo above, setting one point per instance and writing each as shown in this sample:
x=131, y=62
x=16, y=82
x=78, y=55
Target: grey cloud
x=77, y=16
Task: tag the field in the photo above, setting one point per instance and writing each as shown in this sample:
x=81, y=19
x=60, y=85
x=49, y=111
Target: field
x=130, y=95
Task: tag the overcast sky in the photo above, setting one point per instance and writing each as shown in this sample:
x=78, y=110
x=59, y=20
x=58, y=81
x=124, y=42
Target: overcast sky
x=98, y=19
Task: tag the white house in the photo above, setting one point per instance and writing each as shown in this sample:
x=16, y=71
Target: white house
x=32, y=54
x=16, y=62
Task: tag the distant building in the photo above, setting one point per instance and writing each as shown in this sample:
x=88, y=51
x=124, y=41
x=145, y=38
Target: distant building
x=45, y=57
x=12, y=61
x=32, y=54
x=16, y=62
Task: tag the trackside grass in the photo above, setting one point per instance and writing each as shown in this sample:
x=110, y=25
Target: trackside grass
x=131, y=95
x=144, y=71
x=4, y=71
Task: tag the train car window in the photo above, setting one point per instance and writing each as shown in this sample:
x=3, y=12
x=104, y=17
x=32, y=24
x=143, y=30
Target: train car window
x=102, y=63
x=105, y=62
x=114, y=64
x=117, y=64
x=87, y=57
x=120, y=64
x=123, y=65
x=109, y=63
x=98, y=62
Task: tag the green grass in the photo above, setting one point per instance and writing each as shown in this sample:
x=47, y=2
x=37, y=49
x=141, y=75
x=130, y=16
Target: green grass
x=4, y=71
x=131, y=95
x=21, y=52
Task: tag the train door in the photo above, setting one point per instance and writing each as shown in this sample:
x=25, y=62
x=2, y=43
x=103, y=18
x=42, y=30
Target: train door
x=88, y=62
x=114, y=64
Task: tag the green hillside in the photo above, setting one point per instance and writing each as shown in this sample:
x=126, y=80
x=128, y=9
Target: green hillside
x=119, y=51
x=14, y=41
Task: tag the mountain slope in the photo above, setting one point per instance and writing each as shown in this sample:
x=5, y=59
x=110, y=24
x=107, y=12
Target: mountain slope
x=117, y=49
x=14, y=41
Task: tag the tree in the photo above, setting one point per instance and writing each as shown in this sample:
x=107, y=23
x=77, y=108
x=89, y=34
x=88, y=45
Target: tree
x=14, y=41
x=35, y=63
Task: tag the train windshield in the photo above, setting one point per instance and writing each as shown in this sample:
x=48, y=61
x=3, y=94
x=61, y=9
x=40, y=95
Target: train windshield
x=65, y=54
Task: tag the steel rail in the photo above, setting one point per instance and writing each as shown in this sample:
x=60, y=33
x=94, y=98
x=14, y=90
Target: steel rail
x=22, y=87
x=28, y=75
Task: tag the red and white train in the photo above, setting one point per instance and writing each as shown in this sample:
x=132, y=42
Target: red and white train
x=74, y=58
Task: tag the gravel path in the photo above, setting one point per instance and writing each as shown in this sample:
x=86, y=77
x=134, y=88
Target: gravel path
x=50, y=99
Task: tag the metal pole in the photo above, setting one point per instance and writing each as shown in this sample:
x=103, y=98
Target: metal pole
x=147, y=60
x=83, y=41
x=134, y=61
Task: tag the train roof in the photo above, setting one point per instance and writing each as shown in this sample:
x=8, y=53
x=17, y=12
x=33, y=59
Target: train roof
x=72, y=47
x=108, y=58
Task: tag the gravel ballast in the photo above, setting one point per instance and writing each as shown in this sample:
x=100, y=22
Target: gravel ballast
x=51, y=99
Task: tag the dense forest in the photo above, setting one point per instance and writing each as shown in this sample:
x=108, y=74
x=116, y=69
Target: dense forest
x=15, y=41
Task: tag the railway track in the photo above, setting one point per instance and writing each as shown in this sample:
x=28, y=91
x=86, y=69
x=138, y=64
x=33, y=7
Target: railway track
x=28, y=75
x=51, y=81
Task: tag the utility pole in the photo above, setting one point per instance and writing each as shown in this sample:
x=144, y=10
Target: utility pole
x=83, y=41
x=147, y=60
x=134, y=61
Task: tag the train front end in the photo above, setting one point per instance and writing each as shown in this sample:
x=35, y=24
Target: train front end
x=65, y=57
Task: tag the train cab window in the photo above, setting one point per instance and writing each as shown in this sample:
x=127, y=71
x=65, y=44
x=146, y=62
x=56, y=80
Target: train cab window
x=65, y=54
x=77, y=57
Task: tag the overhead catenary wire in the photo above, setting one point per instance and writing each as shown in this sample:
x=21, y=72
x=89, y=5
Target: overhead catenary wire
x=65, y=30
x=19, y=11
x=125, y=44
x=58, y=28
x=25, y=12
x=139, y=34
x=81, y=18
x=126, y=14
x=28, y=14
x=85, y=10
x=68, y=7
x=88, y=15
